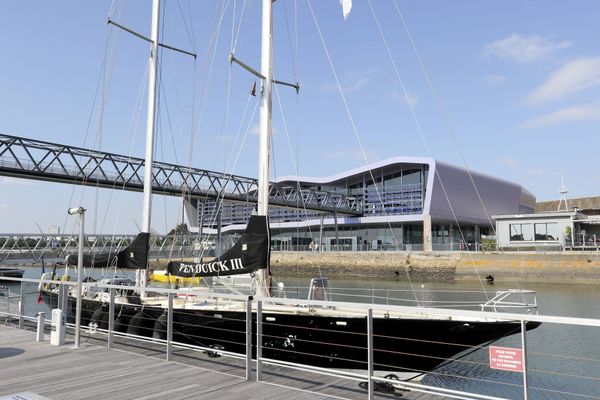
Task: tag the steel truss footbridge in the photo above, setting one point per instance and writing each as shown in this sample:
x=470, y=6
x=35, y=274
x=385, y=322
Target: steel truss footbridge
x=35, y=159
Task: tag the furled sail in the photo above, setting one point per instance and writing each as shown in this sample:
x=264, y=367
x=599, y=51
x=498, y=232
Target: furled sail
x=134, y=256
x=250, y=253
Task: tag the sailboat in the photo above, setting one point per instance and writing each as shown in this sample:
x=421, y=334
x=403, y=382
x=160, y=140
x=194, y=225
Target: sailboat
x=321, y=336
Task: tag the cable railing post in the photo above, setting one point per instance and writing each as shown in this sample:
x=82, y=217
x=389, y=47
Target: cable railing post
x=524, y=360
x=169, y=327
x=40, y=326
x=111, y=318
x=370, y=353
x=21, y=305
x=249, y=338
x=258, y=340
x=64, y=297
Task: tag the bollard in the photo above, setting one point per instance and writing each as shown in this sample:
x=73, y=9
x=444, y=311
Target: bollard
x=40, y=326
x=57, y=336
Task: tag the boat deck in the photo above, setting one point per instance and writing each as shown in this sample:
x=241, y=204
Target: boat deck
x=40, y=371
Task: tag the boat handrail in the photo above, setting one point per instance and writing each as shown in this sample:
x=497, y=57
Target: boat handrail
x=500, y=301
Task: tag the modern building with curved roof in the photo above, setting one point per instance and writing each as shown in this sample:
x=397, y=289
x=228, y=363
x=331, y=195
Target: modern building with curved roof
x=408, y=203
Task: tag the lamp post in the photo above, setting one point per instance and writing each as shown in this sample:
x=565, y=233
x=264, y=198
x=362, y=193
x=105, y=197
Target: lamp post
x=81, y=212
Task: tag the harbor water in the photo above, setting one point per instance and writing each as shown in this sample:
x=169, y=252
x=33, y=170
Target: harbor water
x=563, y=360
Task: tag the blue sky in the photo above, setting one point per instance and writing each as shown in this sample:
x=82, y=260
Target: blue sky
x=518, y=82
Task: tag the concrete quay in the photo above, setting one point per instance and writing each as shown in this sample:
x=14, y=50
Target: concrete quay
x=573, y=268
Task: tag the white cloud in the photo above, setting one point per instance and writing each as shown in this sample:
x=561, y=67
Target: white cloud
x=352, y=154
x=493, y=80
x=254, y=130
x=356, y=81
x=509, y=162
x=573, y=76
x=409, y=98
x=524, y=49
x=536, y=172
x=224, y=139
x=569, y=114
x=3, y=207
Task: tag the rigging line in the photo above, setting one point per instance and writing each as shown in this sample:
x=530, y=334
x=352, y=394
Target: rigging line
x=136, y=116
x=161, y=147
x=239, y=130
x=294, y=160
x=104, y=80
x=212, y=48
x=105, y=61
x=194, y=43
x=295, y=164
x=233, y=15
x=228, y=100
x=219, y=201
x=355, y=130
x=113, y=7
x=178, y=102
x=192, y=137
x=449, y=128
x=423, y=138
x=133, y=128
x=287, y=25
x=225, y=123
x=192, y=121
x=447, y=124
x=211, y=51
x=339, y=86
x=172, y=136
x=160, y=93
x=237, y=34
x=185, y=25
x=163, y=95
x=298, y=186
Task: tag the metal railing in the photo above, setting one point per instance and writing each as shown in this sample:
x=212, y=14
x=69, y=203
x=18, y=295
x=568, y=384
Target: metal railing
x=31, y=247
x=251, y=337
x=583, y=241
x=440, y=247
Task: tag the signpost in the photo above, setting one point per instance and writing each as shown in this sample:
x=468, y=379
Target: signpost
x=510, y=359
x=506, y=358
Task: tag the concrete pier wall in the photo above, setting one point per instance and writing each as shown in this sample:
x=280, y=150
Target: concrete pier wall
x=577, y=268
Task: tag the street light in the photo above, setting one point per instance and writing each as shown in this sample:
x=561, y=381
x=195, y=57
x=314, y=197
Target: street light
x=76, y=210
x=81, y=212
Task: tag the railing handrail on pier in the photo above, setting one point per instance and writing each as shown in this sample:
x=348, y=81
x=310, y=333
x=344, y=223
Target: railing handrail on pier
x=257, y=305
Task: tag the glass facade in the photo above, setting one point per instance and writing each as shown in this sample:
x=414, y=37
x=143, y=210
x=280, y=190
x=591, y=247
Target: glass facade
x=400, y=191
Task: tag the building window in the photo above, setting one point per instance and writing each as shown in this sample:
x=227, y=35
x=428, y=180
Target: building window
x=521, y=232
x=546, y=231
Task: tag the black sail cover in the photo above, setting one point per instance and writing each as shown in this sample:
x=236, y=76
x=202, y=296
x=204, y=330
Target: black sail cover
x=250, y=253
x=134, y=256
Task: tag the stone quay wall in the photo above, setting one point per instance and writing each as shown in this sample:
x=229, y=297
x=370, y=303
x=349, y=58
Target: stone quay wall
x=575, y=268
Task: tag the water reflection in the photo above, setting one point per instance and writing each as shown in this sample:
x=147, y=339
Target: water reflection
x=563, y=360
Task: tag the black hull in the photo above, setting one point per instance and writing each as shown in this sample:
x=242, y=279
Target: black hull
x=7, y=272
x=402, y=345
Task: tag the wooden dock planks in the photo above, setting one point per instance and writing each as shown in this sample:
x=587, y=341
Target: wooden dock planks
x=93, y=372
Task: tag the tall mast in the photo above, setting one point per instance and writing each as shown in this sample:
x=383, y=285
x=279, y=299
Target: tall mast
x=141, y=274
x=266, y=70
x=151, y=117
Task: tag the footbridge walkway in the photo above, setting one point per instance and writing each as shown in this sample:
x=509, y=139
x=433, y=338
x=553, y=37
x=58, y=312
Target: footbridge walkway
x=22, y=157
